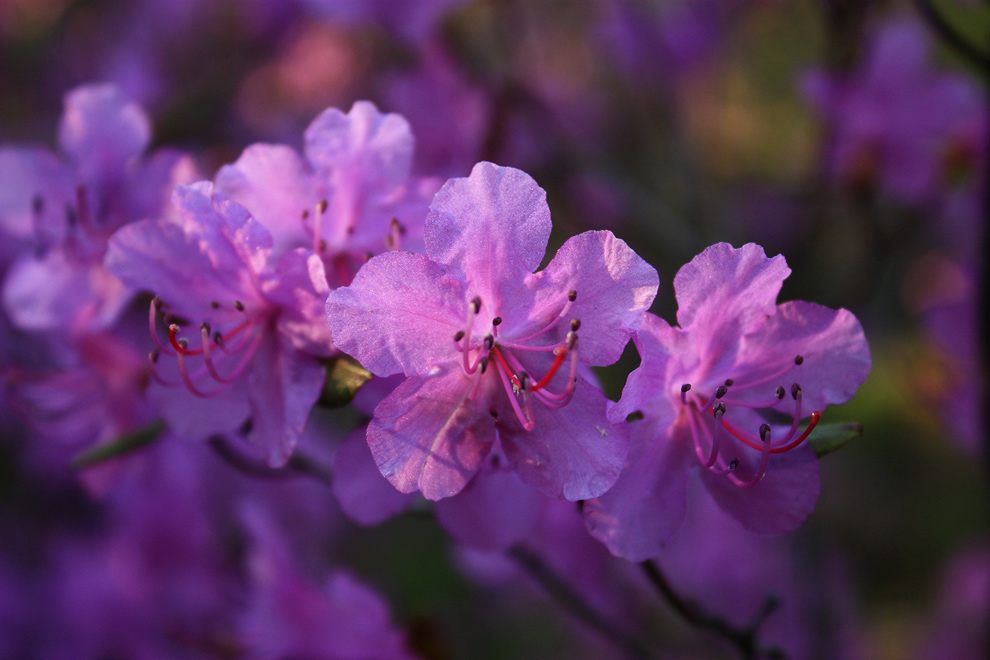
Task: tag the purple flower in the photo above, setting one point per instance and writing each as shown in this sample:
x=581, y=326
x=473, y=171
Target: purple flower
x=897, y=120
x=490, y=348
x=68, y=209
x=259, y=327
x=713, y=391
x=351, y=196
x=290, y=616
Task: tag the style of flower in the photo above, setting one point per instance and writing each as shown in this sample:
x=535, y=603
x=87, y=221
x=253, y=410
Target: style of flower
x=350, y=197
x=254, y=356
x=715, y=392
x=490, y=348
x=67, y=209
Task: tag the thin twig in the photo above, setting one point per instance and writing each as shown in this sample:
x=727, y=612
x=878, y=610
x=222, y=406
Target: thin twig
x=572, y=602
x=744, y=639
x=951, y=37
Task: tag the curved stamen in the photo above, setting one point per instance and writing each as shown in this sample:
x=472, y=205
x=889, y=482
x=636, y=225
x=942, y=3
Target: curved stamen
x=717, y=435
x=156, y=304
x=318, y=243
x=473, y=308
x=152, y=368
x=815, y=416
x=564, y=397
x=503, y=374
x=505, y=366
x=764, y=461
x=798, y=360
x=187, y=381
x=180, y=345
x=571, y=297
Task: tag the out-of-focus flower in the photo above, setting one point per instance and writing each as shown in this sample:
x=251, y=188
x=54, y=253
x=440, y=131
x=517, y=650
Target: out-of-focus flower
x=350, y=197
x=897, y=122
x=67, y=209
x=713, y=391
x=291, y=616
x=958, y=628
x=254, y=353
x=413, y=20
x=457, y=320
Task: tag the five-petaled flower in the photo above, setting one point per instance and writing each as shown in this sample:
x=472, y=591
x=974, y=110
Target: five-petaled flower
x=716, y=391
x=493, y=351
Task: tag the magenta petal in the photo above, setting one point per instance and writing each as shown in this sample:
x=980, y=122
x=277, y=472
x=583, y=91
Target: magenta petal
x=282, y=386
x=646, y=386
x=727, y=290
x=494, y=511
x=399, y=314
x=272, y=181
x=614, y=288
x=490, y=228
x=648, y=503
x=428, y=435
x=780, y=502
x=365, y=148
x=836, y=356
x=572, y=453
x=298, y=286
x=363, y=493
x=101, y=130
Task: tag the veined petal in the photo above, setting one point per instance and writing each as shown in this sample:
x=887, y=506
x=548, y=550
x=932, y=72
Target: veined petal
x=428, y=435
x=648, y=504
x=101, y=130
x=614, y=288
x=572, y=453
x=399, y=314
x=836, y=356
x=491, y=228
x=724, y=292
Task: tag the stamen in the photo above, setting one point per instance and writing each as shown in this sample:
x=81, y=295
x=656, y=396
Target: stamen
x=459, y=335
x=152, y=362
x=780, y=392
x=716, y=436
x=238, y=305
x=473, y=308
x=798, y=359
x=497, y=321
x=561, y=354
x=156, y=304
x=559, y=400
x=396, y=231
x=505, y=366
x=575, y=325
x=764, y=460
x=571, y=297
x=503, y=374
x=685, y=388
x=321, y=208
x=180, y=345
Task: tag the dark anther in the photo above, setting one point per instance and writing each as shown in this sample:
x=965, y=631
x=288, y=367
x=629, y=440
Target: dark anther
x=795, y=390
x=720, y=392
x=215, y=305
x=719, y=408
x=729, y=382
x=489, y=341
x=780, y=392
x=218, y=338
x=493, y=413
x=238, y=305
x=184, y=343
x=205, y=326
x=157, y=302
x=685, y=387
x=524, y=381
x=798, y=359
x=153, y=355
x=570, y=339
x=321, y=207
x=459, y=335
x=764, y=431
x=575, y=325
x=397, y=226
x=572, y=295
x=367, y=255
x=476, y=304
x=484, y=363
x=634, y=416
x=733, y=464
x=497, y=320
x=305, y=214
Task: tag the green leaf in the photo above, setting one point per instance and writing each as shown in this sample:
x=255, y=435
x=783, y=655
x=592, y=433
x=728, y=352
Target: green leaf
x=826, y=438
x=345, y=376
x=123, y=445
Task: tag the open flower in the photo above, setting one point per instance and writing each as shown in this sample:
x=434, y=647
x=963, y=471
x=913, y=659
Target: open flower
x=727, y=390
x=257, y=330
x=492, y=349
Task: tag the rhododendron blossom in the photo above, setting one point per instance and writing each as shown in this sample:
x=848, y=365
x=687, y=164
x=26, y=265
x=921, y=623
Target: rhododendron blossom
x=492, y=349
x=716, y=392
x=250, y=351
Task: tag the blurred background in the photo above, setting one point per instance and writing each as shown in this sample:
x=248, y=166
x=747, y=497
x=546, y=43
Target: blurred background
x=849, y=136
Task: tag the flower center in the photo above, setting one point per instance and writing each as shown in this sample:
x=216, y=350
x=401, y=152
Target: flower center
x=237, y=343
x=500, y=352
x=701, y=408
